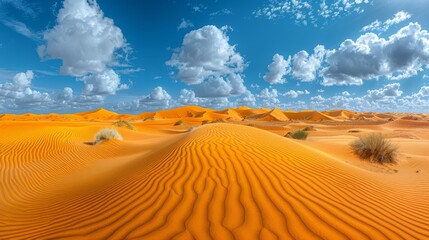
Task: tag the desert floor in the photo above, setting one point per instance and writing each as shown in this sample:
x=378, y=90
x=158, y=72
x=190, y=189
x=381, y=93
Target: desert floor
x=233, y=176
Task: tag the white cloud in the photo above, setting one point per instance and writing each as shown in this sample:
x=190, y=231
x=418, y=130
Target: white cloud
x=87, y=43
x=423, y=92
x=295, y=94
x=304, y=12
x=157, y=98
x=188, y=97
x=20, y=5
x=248, y=99
x=207, y=60
x=185, y=24
x=214, y=87
x=18, y=95
x=390, y=90
x=346, y=94
x=320, y=90
x=277, y=70
x=104, y=83
x=305, y=66
x=255, y=86
x=402, y=55
x=21, y=28
x=267, y=93
x=384, y=26
x=224, y=11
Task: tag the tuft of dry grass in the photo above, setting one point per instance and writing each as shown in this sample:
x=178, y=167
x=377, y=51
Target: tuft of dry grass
x=299, y=134
x=309, y=128
x=123, y=123
x=179, y=123
x=375, y=148
x=107, y=134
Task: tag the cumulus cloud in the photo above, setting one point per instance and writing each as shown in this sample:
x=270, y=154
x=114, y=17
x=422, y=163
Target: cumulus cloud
x=248, y=99
x=304, y=12
x=295, y=94
x=305, y=66
x=157, y=98
x=268, y=93
x=384, y=26
x=18, y=95
x=207, y=60
x=402, y=55
x=346, y=94
x=423, y=92
x=87, y=43
x=277, y=70
x=390, y=90
x=188, y=97
x=104, y=83
x=185, y=24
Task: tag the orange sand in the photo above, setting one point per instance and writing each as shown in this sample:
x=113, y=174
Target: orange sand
x=220, y=181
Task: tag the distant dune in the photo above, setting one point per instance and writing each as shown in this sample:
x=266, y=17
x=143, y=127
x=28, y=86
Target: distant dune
x=220, y=181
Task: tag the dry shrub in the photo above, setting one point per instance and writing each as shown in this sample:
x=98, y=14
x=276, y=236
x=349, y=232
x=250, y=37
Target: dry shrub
x=107, y=134
x=179, y=123
x=375, y=148
x=191, y=128
x=123, y=123
x=299, y=134
x=309, y=128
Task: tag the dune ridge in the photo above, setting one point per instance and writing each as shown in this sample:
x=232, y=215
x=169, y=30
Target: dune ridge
x=221, y=181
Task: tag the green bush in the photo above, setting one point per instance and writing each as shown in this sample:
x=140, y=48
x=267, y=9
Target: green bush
x=375, y=148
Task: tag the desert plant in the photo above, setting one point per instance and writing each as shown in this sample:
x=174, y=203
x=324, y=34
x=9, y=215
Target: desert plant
x=204, y=122
x=123, y=123
x=299, y=134
x=191, y=128
x=106, y=134
x=179, y=123
x=374, y=148
x=309, y=128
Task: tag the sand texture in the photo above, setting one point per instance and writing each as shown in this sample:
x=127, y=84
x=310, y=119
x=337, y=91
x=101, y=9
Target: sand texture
x=238, y=178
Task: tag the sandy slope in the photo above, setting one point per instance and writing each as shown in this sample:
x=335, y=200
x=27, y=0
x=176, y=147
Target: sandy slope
x=221, y=181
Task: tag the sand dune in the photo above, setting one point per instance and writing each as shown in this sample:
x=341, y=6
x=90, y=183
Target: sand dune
x=273, y=115
x=221, y=181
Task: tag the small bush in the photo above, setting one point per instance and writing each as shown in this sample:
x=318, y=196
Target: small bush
x=309, y=128
x=299, y=134
x=204, y=122
x=123, y=123
x=107, y=134
x=374, y=148
x=191, y=129
x=179, y=123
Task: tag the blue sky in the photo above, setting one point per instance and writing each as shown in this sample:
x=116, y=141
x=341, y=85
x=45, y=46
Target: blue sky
x=134, y=56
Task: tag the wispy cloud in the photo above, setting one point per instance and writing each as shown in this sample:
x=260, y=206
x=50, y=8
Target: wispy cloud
x=308, y=12
x=21, y=28
x=384, y=26
x=224, y=11
x=185, y=24
x=20, y=5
